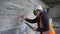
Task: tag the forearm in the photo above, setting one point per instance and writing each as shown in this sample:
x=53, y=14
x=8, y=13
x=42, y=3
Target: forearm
x=30, y=20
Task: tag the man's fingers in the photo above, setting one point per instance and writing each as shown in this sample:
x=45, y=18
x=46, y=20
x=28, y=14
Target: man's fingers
x=23, y=17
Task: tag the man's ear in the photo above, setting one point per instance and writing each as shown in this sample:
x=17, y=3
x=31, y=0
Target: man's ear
x=34, y=13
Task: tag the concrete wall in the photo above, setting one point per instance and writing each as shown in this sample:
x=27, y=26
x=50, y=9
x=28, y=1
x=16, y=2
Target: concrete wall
x=11, y=10
x=55, y=11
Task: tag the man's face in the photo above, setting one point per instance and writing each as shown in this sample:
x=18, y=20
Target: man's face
x=37, y=12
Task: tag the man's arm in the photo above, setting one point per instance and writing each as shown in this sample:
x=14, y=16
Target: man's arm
x=45, y=21
x=31, y=20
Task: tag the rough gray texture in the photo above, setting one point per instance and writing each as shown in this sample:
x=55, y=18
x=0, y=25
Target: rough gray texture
x=11, y=10
x=55, y=11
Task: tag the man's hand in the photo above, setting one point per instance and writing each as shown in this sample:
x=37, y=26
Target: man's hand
x=24, y=17
x=34, y=29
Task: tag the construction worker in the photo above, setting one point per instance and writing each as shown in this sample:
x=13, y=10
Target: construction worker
x=41, y=19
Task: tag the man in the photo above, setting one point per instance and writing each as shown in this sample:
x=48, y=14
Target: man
x=41, y=19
